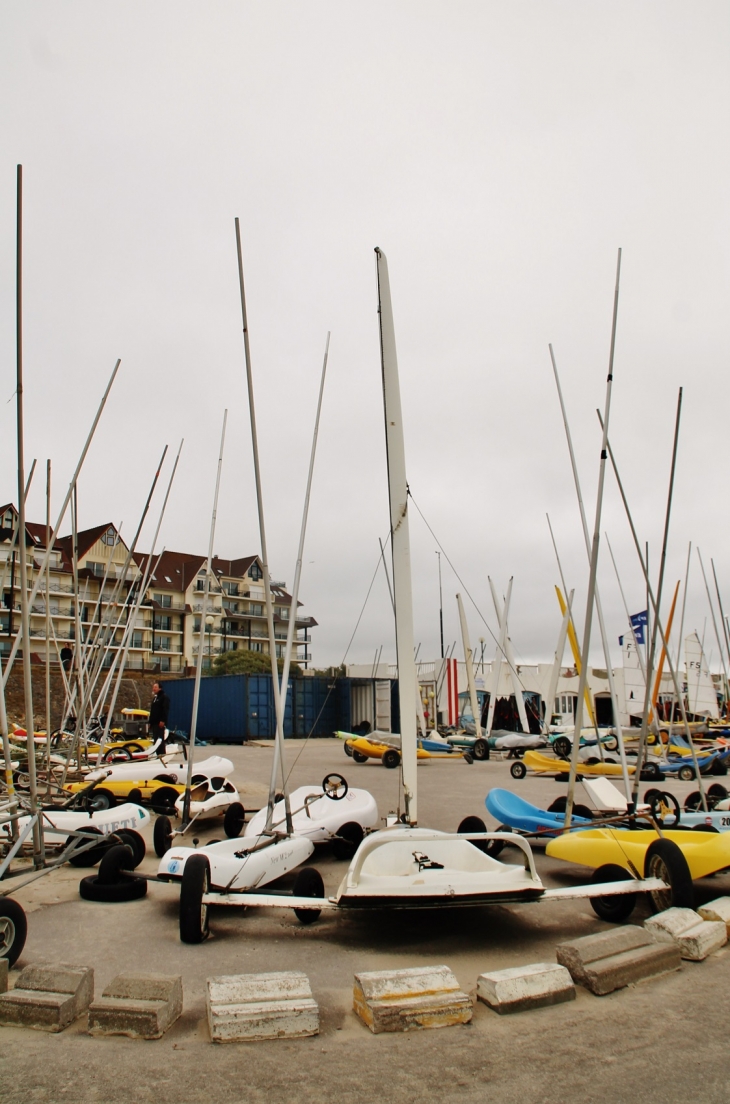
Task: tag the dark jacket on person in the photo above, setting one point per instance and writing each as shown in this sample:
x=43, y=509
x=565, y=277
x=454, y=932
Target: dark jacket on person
x=159, y=709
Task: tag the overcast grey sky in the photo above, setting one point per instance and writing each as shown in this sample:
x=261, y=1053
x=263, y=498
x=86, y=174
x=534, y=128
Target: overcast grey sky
x=499, y=153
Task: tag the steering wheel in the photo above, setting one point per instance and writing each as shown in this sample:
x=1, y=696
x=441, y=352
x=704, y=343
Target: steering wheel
x=665, y=807
x=334, y=786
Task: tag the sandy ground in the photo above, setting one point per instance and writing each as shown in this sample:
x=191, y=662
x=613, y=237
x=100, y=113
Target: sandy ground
x=663, y=1038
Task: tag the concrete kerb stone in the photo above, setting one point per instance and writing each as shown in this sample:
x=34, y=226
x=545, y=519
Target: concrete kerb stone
x=525, y=987
x=48, y=997
x=399, y=1000
x=253, y=1007
x=695, y=937
x=719, y=909
x=612, y=959
x=141, y=1006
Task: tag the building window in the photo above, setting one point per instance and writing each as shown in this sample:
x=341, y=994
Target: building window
x=256, y=610
x=200, y=584
x=164, y=662
x=255, y=572
x=164, y=600
x=162, y=644
x=136, y=639
x=163, y=623
x=196, y=624
x=97, y=568
x=230, y=588
x=255, y=646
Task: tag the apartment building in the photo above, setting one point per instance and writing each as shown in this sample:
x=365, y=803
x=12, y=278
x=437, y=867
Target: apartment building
x=91, y=597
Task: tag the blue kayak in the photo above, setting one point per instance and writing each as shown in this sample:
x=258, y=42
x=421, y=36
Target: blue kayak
x=515, y=812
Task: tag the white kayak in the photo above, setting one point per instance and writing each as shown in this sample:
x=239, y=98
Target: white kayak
x=57, y=823
x=319, y=816
x=240, y=864
x=172, y=769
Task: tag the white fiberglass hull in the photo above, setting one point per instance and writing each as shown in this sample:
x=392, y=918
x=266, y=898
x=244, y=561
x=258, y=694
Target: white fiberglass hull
x=174, y=768
x=57, y=823
x=420, y=868
x=240, y=864
x=321, y=818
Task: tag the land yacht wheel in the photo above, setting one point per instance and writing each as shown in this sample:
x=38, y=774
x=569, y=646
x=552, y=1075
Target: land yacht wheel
x=133, y=840
x=162, y=836
x=308, y=883
x=614, y=909
x=518, y=769
x=91, y=855
x=234, y=820
x=13, y=929
x=476, y=824
x=686, y=773
x=100, y=800
x=358, y=756
x=391, y=759
x=334, y=786
x=117, y=755
x=665, y=860
x=717, y=791
x=480, y=750
x=193, y=911
x=562, y=747
x=692, y=802
x=348, y=839
x=611, y=743
x=163, y=801
x=348, y=750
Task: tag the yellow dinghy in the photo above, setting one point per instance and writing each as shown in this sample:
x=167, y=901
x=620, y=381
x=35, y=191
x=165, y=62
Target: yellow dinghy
x=543, y=764
x=704, y=852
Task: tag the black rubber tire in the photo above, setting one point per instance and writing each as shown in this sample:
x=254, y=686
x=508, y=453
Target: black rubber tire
x=163, y=801
x=391, y=758
x=705, y=828
x=135, y=796
x=136, y=749
x=582, y=811
x=611, y=743
x=475, y=824
x=193, y=913
x=348, y=750
x=117, y=755
x=13, y=929
x=608, y=759
x=650, y=772
x=480, y=750
x=119, y=857
x=614, y=910
x=348, y=839
x=718, y=768
x=651, y=739
x=92, y=855
x=468, y=757
x=234, y=820
x=518, y=769
x=665, y=860
x=130, y=889
x=651, y=793
x=693, y=802
x=334, y=786
x=592, y=760
x=308, y=883
x=165, y=778
x=162, y=836
x=718, y=791
x=100, y=799
x=134, y=840
x=686, y=773
x=559, y=805
x=358, y=756
x=562, y=747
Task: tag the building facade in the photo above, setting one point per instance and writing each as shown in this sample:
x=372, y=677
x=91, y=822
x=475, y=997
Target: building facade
x=91, y=596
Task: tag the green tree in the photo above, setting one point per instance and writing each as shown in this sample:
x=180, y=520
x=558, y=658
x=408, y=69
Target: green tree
x=245, y=662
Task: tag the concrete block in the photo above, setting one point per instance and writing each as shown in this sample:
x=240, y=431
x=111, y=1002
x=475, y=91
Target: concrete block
x=48, y=997
x=399, y=1000
x=524, y=987
x=719, y=909
x=695, y=937
x=3, y=975
x=142, y=1006
x=249, y=1007
x=610, y=960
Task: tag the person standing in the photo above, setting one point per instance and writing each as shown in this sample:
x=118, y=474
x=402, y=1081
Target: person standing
x=159, y=711
x=67, y=657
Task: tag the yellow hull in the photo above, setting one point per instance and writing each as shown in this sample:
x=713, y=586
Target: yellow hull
x=543, y=764
x=375, y=750
x=705, y=852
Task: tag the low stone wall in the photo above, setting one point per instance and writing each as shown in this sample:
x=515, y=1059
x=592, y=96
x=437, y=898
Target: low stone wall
x=135, y=692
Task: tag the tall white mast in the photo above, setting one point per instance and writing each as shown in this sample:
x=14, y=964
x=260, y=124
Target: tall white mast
x=398, y=496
